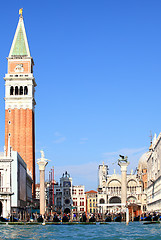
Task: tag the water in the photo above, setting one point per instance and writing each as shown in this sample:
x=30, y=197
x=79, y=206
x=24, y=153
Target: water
x=111, y=231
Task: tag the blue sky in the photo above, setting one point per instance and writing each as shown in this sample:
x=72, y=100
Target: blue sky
x=98, y=74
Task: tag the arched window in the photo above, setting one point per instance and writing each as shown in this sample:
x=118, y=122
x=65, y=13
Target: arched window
x=16, y=90
x=102, y=200
x=11, y=90
x=21, y=90
x=25, y=90
x=115, y=200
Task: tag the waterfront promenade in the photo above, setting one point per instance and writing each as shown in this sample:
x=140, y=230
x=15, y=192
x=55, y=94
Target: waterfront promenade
x=112, y=231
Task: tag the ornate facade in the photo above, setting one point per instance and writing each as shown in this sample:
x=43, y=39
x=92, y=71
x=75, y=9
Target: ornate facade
x=154, y=175
x=69, y=198
x=109, y=190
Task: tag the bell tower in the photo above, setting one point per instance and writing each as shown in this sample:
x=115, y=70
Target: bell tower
x=20, y=100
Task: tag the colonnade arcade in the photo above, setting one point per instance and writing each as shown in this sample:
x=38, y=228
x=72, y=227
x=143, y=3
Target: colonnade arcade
x=19, y=90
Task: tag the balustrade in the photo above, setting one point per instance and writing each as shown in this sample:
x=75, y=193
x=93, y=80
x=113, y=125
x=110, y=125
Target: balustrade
x=5, y=189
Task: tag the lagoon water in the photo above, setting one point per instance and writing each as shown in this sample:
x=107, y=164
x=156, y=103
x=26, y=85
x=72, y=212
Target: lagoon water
x=111, y=231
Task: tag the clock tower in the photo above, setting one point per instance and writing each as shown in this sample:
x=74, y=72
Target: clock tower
x=20, y=100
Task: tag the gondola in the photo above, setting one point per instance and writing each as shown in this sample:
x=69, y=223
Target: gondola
x=155, y=218
x=3, y=219
x=83, y=218
x=56, y=219
x=65, y=219
x=40, y=219
x=137, y=218
x=108, y=219
x=148, y=218
x=13, y=219
x=92, y=219
x=118, y=218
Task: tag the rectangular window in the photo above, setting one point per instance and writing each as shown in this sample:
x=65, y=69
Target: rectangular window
x=74, y=191
x=74, y=203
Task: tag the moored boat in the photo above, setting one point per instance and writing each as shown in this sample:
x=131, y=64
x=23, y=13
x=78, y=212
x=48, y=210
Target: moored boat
x=148, y=218
x=108, y=219
x=118, y=218
x=137, y=218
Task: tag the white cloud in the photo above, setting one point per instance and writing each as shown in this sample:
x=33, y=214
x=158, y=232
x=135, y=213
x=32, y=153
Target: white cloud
x=83, y=140
x=134, y=154
x=125, y=151
x=57, y=134
x=59, y=140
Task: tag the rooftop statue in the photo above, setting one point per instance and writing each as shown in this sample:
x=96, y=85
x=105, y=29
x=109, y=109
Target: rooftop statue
x=20, y=11
x=42, y=154
x=122, y=159
x=42, y=160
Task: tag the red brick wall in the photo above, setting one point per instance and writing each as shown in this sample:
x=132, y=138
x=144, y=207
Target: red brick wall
x=144, y=178
x=22, y=130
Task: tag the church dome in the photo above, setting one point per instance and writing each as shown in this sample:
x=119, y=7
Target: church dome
x=143, y=161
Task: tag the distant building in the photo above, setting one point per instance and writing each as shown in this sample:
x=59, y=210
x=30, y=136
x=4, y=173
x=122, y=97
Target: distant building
x=69, y=198
x=91, y=201
x=63, y=194
x=37, y=191
x=154, y=175
x=79, y=199
x=109, y=190
x=15, y=184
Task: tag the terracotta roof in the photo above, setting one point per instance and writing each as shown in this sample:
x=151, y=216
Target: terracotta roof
x=91, y=191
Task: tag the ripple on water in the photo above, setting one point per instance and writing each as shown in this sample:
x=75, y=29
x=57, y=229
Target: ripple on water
x=112, y=231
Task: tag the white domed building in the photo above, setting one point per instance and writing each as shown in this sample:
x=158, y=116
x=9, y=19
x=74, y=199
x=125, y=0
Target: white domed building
x=143, y=161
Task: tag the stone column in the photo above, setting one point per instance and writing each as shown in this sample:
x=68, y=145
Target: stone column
x=42, y=162
x=123, y=163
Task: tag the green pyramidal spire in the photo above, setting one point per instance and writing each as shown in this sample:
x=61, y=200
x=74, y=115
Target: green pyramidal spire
x=20, y=44
x=19, y=47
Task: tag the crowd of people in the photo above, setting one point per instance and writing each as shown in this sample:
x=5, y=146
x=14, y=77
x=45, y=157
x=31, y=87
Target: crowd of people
x=83, y=217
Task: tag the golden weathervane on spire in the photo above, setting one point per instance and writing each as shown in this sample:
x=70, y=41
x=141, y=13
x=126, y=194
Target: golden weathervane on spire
x=20, y=11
